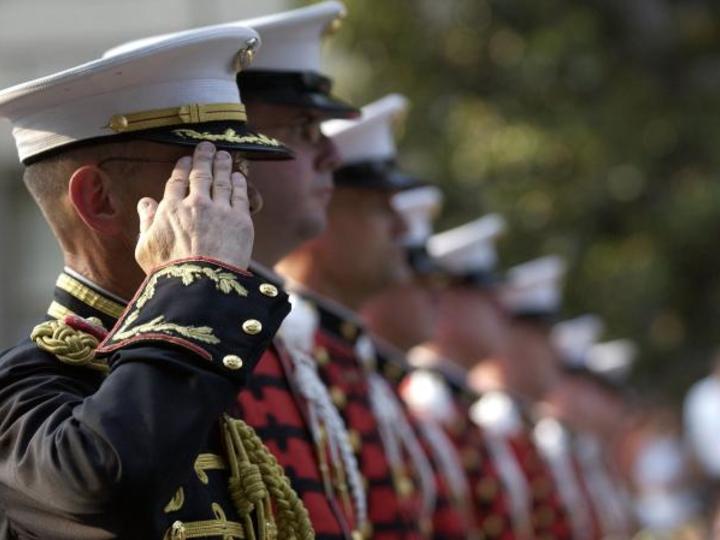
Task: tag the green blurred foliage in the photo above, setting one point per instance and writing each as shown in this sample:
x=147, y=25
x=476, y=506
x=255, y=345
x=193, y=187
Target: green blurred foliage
x=592, y=126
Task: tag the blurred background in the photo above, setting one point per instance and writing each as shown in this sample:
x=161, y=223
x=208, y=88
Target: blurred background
x=591, y=126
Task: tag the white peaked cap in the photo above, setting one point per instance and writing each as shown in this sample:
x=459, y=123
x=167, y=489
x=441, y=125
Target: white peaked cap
x=418, y=207
x=702, y=422
x=371, y=137
x=535, y=287
x=469, y=248
x=574, y=338
x=612, y=360
x=82, y=102
x=292, y=39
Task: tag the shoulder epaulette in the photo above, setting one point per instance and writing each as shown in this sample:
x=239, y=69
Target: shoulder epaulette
x=72, y=340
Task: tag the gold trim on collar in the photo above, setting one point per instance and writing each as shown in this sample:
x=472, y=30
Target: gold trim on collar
x=85, y=294
x=58, y=311
x=192, y=113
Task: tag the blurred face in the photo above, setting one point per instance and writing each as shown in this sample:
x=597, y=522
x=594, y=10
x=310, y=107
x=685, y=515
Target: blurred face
x=404, y=314
x=362, y=246
x=295, y=192
x=532, y=364
x=585, y=405
x=472, y=319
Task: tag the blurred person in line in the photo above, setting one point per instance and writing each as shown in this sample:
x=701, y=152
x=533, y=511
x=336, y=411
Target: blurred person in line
x=556, y=438
x=403, y=318
x=597, y=417
x=471, y=335
x=107, y=407
x=289, y=405
x=699, y=422
x=666, y=498
x=513, y=380
x=358, y=254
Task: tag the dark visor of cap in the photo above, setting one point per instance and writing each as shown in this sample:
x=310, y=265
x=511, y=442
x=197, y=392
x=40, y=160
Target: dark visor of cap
x=483, y=279
x=536, y=316
x=231, y=135
x=375, y=175
x=421, y=261
x=306, y=89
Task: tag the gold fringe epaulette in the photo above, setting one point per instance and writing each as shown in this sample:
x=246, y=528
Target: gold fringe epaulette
x=68, y=344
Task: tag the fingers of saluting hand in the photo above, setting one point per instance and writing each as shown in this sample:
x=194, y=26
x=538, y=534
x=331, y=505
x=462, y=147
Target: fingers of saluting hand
x=177, y=186
x=239, y=192
x=222, y=184
x=201, y=175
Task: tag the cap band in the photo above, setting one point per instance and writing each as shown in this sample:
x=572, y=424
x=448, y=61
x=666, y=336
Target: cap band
x=193, y=113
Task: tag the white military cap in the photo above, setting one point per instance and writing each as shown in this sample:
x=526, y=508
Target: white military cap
x=287, y=69
x=534, y=288
x=418, y=207
x=612, y=360
x=469, y=251
x=176, y=90
x=367, y=146
x=702, y=422
x=573, y=338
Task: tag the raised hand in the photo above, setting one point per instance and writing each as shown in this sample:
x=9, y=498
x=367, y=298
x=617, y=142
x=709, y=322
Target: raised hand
x=204, y=212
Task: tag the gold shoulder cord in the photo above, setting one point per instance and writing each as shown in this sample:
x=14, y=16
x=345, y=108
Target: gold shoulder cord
x=69, y=345
x=255, y=479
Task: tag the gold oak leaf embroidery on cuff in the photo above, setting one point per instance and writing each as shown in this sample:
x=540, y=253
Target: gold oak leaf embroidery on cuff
x=188, y=274
x=203, y=334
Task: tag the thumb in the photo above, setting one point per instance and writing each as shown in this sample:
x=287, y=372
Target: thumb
x=146, y=210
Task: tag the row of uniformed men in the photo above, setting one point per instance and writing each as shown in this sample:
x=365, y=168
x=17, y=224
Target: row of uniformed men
x=393, y=402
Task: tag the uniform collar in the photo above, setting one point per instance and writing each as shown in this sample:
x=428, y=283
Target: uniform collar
x=76, y=295
x=335, y=319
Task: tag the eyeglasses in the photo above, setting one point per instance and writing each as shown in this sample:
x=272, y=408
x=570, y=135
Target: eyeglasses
x=239, y=164
x=307, y=131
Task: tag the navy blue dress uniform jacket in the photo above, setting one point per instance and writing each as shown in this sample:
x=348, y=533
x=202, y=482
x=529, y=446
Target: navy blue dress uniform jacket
x=109, y=445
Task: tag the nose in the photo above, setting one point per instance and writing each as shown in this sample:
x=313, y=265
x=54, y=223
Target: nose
x=328, y=157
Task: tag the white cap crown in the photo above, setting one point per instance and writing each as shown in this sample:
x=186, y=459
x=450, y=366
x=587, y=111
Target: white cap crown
x=371, y=137
x=418, y=207
x=535, y=287
x=96, y=99
x=469, y=248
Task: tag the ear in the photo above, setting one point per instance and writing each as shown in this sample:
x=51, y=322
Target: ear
x=93, y=199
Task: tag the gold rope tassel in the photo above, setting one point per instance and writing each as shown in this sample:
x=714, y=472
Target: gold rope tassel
x=256, y=478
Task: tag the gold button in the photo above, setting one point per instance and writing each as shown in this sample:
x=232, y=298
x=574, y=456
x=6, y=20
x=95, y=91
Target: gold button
x=252, y=327
x=355, y=440
x=177, y=531
x=232, y=361
x=338, y=397
x=348, y=330
x=118, y=122
x=321, y=356
x=404, y=485
x=357, y=535
x=268, y=289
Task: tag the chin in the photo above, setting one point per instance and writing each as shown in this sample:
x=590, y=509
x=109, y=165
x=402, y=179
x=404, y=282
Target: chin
x=312, y=226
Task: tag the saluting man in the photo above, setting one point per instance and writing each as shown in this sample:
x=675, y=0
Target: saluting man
x=287, y=94
x=114, y=414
